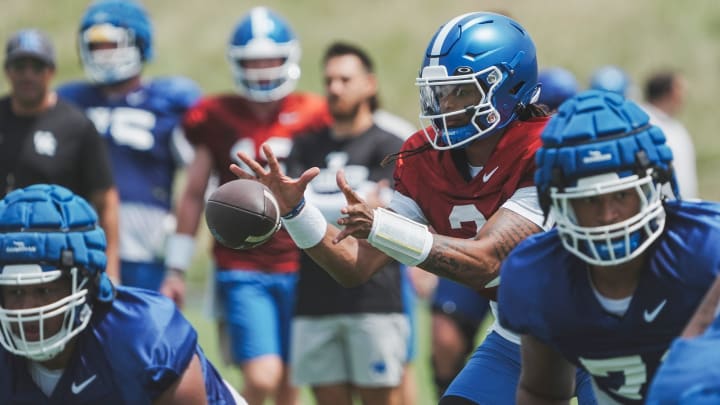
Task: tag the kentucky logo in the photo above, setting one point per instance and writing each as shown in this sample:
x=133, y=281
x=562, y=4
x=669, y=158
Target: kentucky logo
x=45, y=143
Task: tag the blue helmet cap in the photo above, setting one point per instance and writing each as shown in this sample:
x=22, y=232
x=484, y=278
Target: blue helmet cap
x=49, y=225
x=558, y=85
x=610, y=78
x=600, y=143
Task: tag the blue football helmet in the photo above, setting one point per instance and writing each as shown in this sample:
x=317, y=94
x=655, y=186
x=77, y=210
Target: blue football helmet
x=115, y=40
x=487, y=61
x=263, y=35
x=611, y=78
x=600, y=143
x=47, y=233
x=558, y=84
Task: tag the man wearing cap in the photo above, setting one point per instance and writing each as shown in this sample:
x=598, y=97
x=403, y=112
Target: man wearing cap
x=46, y=140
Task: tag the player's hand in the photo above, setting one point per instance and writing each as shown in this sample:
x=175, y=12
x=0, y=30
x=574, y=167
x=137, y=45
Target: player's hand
x=173, y=287
x=288, y=191
x=359, y=215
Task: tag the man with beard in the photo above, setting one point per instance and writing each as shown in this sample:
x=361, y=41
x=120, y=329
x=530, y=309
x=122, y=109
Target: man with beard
x=352, y=340
x=46, y=140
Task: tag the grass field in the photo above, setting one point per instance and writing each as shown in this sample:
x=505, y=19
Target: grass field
x=639, y=35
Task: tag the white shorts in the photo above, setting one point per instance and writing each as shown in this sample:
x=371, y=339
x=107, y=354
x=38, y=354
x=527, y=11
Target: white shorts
x=366, y=350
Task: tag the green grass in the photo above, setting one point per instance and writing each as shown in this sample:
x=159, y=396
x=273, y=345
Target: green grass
x=639, y=35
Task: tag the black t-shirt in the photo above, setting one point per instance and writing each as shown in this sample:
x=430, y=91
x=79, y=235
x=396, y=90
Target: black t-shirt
x=59, y=146
x=318, y=293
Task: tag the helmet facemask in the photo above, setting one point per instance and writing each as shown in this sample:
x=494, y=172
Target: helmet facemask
x=612, y=244
x=24, y=330
x=469, y=120
x=110, y=54
x=265, y=84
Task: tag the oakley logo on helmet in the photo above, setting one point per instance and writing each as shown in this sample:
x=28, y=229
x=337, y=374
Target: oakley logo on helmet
x=463, y=70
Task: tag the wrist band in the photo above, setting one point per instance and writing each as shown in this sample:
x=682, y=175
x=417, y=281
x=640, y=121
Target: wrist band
x=179, y=251
x=307, y=228
x=295, y=211
x=400, y=238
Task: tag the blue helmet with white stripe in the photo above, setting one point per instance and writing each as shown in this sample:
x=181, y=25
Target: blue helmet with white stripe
x=611, y=78
x=479, y=70
x=49, y=236
x=600, y=143
x=115, y=40
x=262, y=36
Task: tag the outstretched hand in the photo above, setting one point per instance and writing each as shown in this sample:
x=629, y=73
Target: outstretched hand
x=288, y=191
x=359, y=215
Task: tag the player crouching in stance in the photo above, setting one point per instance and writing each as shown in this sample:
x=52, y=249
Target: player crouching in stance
x=68, y=335
x=622, y=273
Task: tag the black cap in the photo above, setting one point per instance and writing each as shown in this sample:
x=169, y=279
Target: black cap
x=30, y=43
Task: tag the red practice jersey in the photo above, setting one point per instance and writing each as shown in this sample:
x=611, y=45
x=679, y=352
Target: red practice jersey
x=453, y=203
x=227, y=126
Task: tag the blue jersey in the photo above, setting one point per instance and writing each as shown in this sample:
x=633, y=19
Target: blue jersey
x=130, y=353
x=546, y=293
x=139, y=132
x=146, y=147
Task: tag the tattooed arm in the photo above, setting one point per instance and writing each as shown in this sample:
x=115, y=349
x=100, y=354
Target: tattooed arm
x=476, y=262
x=473, y=262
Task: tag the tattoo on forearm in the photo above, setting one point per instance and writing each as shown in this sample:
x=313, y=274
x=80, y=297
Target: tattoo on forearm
x=480, y=267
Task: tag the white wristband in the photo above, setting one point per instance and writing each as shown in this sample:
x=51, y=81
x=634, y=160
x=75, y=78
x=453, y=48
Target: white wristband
x=179, y=251
x=400, y=238
x=307, y=228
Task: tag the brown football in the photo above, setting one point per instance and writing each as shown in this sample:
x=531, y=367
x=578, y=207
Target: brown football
x=242, y=214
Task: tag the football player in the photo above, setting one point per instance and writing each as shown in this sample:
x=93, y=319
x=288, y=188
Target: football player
x=618, y=278
x=68, y=335
x=139, y=120
x=558, y=85
x=255, y=287
x=467, y=174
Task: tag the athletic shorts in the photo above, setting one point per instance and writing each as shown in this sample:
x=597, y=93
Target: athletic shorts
x=459, y=302
x=492, y=373
x=366, y=350
x=257, y=308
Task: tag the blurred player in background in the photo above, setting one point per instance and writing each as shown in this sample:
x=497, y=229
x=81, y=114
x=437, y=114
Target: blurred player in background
x=468, y=175
x=139, y=120
x=558, y=85
x=68, y=335
x=46, y=140
x=622, y=272
x=355, y=340
x=614, y=79
x=664, y=94
x=256, y=287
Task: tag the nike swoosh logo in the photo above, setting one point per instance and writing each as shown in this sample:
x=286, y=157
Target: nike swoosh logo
x=78, y=388
x=650, y=316
x=486, y=176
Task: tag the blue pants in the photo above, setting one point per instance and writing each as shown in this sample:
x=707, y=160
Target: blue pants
x=492, y=374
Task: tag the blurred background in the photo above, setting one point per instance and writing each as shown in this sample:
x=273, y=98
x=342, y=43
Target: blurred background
x=641, y=36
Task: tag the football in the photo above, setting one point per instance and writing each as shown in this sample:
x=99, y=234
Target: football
x=242, y=214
